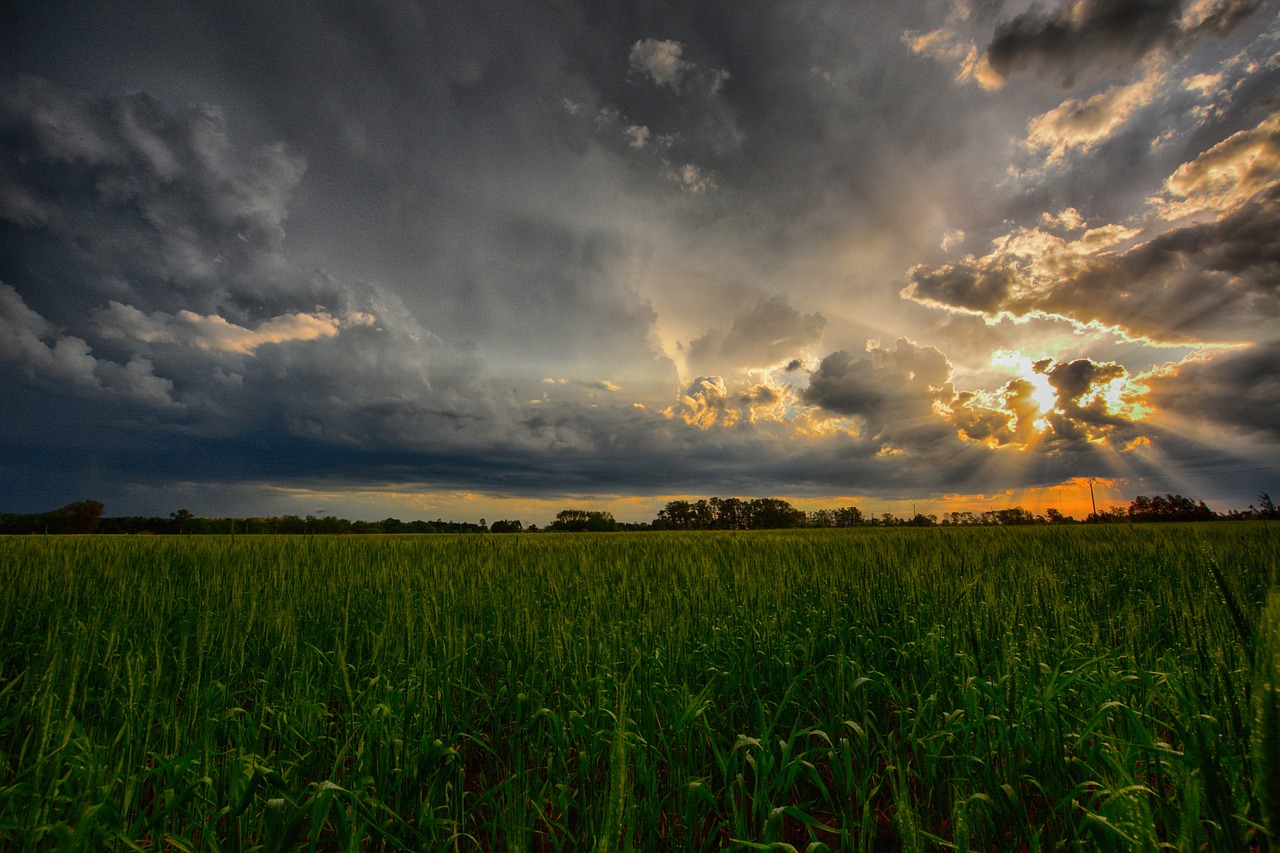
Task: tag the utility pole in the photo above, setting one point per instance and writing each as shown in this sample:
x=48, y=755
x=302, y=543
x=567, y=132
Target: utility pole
x=1091, y=498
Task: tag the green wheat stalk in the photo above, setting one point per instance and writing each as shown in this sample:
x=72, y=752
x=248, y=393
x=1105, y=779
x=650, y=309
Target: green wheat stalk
x=1266, y=728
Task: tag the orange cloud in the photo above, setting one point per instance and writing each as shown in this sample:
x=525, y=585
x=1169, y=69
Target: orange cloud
x=1225, y=176
x=1076, y=125
x=212, y=332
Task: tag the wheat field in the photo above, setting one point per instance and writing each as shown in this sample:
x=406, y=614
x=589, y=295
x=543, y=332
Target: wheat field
x=1108, y=688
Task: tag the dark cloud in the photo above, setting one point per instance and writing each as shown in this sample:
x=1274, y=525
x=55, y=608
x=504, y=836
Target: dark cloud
x=442, y=170
x=892, y=390
x=42, y=354
x=969, y=285
x=1078, y=384
x=1077, y=36
x=177, y=312
x=770, y=332
x=147, y=251
x=1109, y=35
x=1238, y=389
x=1220, y=16
x=1212, y=279
x=120, y=197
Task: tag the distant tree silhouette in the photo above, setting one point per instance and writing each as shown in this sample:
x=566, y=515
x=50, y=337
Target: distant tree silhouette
x=1113, y=515
x=1168, y=508
x=504, y=525
x=579, y=520
x=182, y=518
x=730, y=514
x=849, y=516
x=78, y=517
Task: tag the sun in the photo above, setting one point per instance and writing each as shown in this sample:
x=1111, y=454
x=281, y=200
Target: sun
x=1043, y=393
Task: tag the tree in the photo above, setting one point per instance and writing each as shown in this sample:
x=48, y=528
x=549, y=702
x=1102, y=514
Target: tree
x=569, y=521
x=78, y=517
x=182, y=518
x=676, y=515
x=578, y=520
x=1168, y=508
x=1014, y=516
x=704, y=515
x=731, y=513
x=1113, y=515
x=849, y=516
x=774, y=514
x=601, y=522
x=822, y=518
x=504, y=525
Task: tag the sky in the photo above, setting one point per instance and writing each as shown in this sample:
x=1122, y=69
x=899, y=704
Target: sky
x=464, y=260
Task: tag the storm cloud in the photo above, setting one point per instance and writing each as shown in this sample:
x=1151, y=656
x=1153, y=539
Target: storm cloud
x=540, y=250
x=1111, y=34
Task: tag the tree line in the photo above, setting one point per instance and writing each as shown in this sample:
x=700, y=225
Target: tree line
x=87, y=517
x=704, y=514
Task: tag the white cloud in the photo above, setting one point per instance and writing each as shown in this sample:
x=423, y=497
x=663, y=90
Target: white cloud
x=661, y=60
x=691, y=178
x=638, y=135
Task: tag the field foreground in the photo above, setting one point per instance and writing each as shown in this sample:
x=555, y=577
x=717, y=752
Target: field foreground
x=1109, y=688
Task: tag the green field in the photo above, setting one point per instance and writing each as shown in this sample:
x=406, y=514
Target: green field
x=975, y=689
